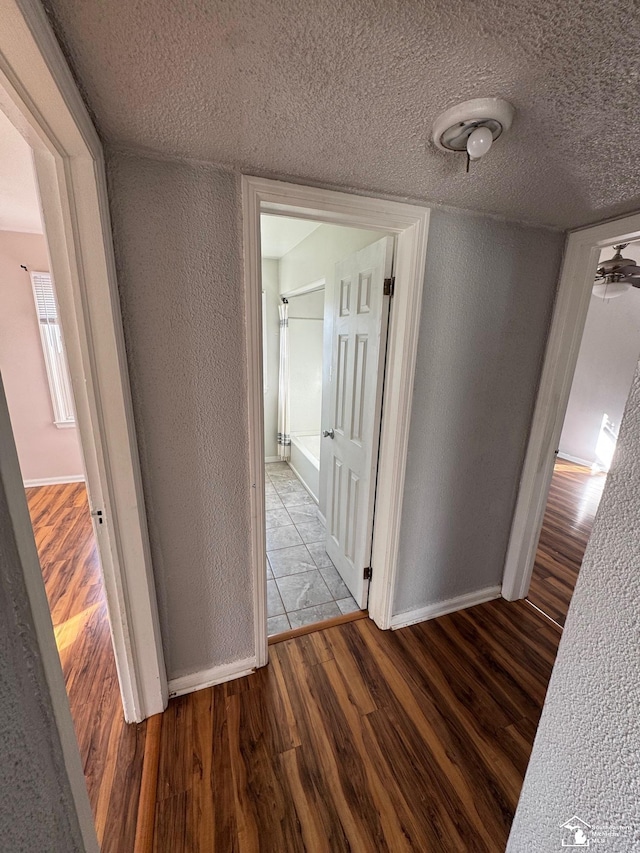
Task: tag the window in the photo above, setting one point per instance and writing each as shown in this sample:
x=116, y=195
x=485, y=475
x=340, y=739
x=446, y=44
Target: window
x=54, y=358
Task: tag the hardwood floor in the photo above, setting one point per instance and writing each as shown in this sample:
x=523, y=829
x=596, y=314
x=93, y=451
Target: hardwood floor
x=355, y=739
x=352, y=739
x=573, y=500
x=111, y=751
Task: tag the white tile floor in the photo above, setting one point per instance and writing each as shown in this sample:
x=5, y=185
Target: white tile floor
x=303, y=585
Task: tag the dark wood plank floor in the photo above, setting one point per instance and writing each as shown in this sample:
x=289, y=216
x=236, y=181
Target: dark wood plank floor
x=573, y=500
x=111, y=751
x=355, y=739
x=351, y=739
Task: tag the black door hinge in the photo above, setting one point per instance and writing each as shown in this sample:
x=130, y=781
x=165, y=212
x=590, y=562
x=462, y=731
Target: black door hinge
x=389, y=286
x=367, y=573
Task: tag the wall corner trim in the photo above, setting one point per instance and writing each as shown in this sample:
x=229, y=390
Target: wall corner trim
x=441, y=608
x=209, y=677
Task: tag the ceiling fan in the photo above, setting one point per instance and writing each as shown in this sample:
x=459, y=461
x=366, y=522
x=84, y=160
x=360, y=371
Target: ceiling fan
x=615, y=276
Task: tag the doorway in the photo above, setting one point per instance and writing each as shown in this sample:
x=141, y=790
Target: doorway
x=409, y=225
x=325, y=316
x=40, y=99
x=71, y=187
x=607, y=359
x=39, y=397
x=591, y=356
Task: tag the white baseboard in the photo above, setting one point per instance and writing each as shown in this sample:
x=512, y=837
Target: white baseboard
x=322, y=518
x=208, y=677
x=268, y=459
x=441, y=608
x=576, y=459
x=54, y=481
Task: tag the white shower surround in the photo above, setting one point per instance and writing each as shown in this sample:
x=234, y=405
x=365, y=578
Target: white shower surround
x=305, y=461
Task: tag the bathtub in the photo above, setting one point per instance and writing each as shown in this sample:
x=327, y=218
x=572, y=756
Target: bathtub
x=305, y=461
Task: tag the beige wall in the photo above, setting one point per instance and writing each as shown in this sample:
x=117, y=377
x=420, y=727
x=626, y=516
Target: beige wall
x=45, y=452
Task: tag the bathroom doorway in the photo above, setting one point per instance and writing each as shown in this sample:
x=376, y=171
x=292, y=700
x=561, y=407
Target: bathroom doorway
x=325, y=313
x=407, y=227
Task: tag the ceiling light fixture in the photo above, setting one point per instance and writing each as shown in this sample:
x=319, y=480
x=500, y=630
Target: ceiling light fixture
x=473, y=126
x=603, y=290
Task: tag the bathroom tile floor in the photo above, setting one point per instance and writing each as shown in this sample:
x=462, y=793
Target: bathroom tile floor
x=303, y=586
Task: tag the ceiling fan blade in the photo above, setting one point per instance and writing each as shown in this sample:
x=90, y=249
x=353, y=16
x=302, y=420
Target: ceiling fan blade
x=615, y=264
x=631, y=269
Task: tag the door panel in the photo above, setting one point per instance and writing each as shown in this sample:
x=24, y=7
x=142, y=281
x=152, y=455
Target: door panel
x=359, y=335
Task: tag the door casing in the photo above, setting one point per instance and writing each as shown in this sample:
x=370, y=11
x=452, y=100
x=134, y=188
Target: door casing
x=410, y=224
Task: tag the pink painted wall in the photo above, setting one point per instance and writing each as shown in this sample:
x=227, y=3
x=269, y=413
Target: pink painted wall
x=44, y=451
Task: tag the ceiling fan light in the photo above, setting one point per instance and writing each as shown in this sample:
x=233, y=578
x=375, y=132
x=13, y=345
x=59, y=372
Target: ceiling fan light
x=609, y=290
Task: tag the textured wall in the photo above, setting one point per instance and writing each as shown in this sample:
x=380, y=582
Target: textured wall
x=585, y=759
x=37, y=812
x=347, y=93
x=177, y=234
x=44, y=450
x=488, y=295
x=606, y=363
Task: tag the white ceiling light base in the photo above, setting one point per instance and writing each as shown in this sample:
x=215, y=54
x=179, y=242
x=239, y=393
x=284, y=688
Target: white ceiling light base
x=610, y=291
x=455, y=130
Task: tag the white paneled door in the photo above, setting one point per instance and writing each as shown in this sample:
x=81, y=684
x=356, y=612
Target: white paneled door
x=350, y=442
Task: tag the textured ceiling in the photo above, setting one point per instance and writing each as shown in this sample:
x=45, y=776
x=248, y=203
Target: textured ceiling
x=19, y=205
x=345, y=93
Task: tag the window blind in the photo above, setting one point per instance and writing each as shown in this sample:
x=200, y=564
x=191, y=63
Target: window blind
x=46, y=307
x=53, y=349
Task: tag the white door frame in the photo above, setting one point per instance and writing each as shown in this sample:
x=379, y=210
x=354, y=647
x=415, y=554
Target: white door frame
x=411, y=225
x=38, y=94
x=582, y=253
